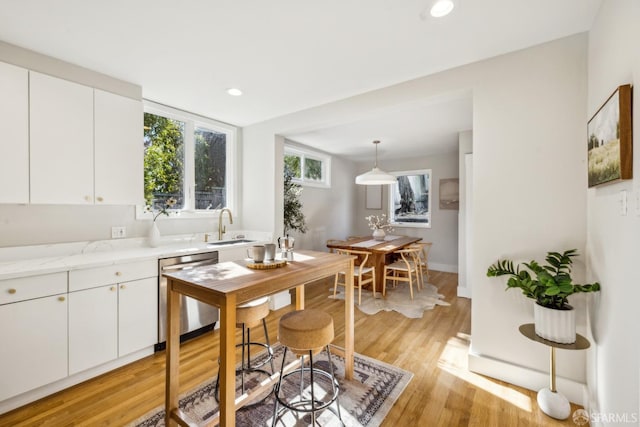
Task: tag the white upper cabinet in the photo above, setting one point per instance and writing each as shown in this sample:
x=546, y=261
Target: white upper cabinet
x=14, y=134
x=85, y=144
x=118, y=150
x=61, y=141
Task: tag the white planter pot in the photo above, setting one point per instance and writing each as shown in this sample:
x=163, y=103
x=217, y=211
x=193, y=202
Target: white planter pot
x=555, y=325
x=378, y=234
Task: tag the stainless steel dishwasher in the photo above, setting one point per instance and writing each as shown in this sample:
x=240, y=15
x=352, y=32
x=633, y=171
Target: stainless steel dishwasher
x=196, y=317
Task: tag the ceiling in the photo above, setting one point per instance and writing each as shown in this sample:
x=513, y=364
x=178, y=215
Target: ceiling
x=289, y=55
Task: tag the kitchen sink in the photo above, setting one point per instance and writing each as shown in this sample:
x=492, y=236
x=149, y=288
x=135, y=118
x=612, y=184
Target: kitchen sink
x=230, y=242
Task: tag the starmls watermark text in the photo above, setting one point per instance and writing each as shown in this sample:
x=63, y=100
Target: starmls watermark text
x=582, y=417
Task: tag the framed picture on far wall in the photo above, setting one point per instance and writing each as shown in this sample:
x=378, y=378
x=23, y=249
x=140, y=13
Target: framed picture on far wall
x=410, y=199
x=609, y=143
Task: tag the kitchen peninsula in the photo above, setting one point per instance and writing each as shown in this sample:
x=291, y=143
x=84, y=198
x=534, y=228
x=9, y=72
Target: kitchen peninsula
x=228, y=284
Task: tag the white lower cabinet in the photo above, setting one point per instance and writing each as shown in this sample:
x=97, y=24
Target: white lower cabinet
x=53, y=326
x=111, y=321
x=93, y=327
x=34, y=344
x=137, y=315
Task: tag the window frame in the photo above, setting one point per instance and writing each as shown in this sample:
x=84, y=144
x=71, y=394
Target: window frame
x=303, y=153
x=191, y=123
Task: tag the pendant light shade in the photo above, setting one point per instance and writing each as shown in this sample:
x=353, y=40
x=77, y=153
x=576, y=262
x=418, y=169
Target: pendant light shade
x=375, y=176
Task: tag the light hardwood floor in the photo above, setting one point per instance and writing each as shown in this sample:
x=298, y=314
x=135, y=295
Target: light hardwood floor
x=434, y=348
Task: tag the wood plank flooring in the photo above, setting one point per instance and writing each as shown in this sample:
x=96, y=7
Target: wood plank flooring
x=434, y=348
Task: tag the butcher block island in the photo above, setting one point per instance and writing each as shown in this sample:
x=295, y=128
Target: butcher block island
x=228, y=284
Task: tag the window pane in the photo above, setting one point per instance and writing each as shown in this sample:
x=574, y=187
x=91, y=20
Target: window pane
x=313, y=169
x=163, y=160
x=210, y=165
x=292, y=165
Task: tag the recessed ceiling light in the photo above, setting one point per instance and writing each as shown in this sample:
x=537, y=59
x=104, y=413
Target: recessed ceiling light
x=441, y=8
x=234, y=91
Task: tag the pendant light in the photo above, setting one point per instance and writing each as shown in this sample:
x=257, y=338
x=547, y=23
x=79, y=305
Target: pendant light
x=375, y=176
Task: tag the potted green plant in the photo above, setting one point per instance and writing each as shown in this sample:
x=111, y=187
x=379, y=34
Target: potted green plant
x=552, y=285
x=293, y=217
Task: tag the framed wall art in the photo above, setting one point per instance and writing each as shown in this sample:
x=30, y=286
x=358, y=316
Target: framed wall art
x=373, y=196
x=450, y=194
x=410, y=199
x=609, y=143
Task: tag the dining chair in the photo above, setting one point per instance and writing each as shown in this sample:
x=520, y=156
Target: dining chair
x=423, y=259
x=362, y=273
x=404, y=269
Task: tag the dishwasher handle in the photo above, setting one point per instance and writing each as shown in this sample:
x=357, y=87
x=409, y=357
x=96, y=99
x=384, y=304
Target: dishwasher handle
x=188, y=265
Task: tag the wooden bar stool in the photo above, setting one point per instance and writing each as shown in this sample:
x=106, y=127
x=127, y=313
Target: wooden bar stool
x=248, y=316
x=307, y=332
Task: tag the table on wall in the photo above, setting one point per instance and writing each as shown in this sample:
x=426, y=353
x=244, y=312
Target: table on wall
x=228, y=284
x=378, y=249
x=550, y=400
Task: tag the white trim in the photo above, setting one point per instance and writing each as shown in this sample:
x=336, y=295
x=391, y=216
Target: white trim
x=525, y=377
x=464, y=292
x=447, y=268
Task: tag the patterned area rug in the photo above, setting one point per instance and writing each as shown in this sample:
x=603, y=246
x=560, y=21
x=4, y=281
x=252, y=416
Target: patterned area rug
x=398, y=299
x=364, y=401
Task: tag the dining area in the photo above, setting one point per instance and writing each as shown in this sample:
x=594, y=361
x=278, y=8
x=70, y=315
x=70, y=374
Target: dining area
x=378, y=260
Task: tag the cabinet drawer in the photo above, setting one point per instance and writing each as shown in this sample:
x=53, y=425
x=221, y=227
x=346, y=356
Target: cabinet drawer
x=117, y=273
x=25, y=288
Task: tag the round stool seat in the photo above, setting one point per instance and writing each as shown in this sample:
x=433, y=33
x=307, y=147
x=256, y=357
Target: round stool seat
x=252, y=312
x=306, y=330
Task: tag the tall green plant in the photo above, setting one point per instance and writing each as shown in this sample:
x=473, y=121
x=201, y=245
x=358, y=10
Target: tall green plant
x=293, y=216
x=553, y=283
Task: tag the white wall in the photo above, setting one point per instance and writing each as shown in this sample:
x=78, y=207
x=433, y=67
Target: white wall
x=612, y=239
x=443, y=255
x=465, y=146
x=329, y=212
x=529, y=180
x=529, y=175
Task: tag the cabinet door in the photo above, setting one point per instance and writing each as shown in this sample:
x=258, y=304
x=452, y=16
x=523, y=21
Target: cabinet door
x=14, y=134
x=34, y=344
x=93, y=327
x=61, y=141
x=119, y=150
x=138, y=315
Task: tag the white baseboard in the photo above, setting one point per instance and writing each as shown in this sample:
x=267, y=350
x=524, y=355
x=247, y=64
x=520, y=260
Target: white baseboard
x=447, y=268
x=525, y=377
x=464, y=292
x=40, y=392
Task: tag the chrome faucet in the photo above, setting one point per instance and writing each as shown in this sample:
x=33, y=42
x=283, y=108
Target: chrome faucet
x=222, y=229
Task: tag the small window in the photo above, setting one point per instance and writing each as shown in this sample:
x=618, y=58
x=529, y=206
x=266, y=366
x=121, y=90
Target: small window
x=308, y=167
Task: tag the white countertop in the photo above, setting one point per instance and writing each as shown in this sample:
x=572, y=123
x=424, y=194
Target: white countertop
x=43, y=259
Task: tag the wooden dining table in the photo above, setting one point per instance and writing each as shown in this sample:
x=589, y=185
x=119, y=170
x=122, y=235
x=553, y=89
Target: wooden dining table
x=228, y=284
x=378, y=249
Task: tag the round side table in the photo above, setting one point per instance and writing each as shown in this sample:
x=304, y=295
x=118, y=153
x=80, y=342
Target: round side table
x=550, y=400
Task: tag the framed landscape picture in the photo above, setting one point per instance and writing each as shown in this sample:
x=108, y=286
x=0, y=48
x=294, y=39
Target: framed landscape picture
x=609, y=144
